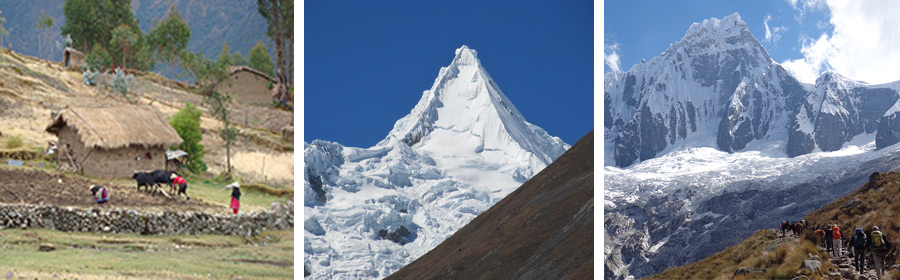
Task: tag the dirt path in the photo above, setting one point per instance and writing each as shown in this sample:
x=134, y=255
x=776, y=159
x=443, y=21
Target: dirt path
x=39, y=187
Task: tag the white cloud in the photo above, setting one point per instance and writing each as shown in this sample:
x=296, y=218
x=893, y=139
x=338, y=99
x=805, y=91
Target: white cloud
x=804, y=6
x=773, y=34
x=862, y=46
x=611, y=57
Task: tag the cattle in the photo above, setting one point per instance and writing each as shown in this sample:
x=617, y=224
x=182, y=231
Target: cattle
x=155, y=178
x=144, y=179
x=164, y=177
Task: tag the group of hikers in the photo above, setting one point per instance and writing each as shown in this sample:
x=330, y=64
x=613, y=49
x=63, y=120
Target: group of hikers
x=100, y=193
x=875, y=242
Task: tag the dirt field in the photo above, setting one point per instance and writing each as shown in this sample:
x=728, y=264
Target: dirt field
x=39, y=187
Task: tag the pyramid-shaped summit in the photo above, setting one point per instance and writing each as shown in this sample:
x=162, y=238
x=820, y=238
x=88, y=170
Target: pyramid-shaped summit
x=466, y=112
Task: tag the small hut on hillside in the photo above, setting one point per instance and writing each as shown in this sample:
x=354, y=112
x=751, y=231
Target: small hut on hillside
x=247, y=85
x=72, y=58
x=112, y=142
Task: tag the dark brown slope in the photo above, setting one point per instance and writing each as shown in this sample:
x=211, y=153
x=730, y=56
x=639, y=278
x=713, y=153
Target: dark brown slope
x=542, y=230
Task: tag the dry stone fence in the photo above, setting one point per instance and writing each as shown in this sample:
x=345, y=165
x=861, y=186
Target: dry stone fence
x=116, y=220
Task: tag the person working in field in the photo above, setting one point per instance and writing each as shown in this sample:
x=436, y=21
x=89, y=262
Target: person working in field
x=181, y=184
x=235, y=196
x=100, y=194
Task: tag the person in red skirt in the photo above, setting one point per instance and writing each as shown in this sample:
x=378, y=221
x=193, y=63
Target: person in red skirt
x=235, y=196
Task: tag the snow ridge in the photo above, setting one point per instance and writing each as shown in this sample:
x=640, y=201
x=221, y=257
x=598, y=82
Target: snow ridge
x=461, y=149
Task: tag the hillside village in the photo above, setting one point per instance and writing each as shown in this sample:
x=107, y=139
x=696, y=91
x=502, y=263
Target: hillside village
x=76, y=129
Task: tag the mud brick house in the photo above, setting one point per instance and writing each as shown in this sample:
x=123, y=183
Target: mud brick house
x=73, y=58
x=247, y=85
x=112, y=142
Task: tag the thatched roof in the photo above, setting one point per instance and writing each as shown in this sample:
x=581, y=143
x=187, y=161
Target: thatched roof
x=235, y=69
x=117, y=127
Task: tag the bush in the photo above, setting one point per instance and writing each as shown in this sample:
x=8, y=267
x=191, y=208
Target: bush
x=187, y=123
x=14, y=142
x=122, y=82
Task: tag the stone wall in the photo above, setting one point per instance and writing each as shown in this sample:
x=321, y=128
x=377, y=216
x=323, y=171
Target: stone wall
x=116, y=220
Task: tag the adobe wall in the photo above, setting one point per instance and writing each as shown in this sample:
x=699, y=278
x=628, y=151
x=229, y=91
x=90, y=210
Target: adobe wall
x=116, y=163
x=247, y=87
x=122, y=162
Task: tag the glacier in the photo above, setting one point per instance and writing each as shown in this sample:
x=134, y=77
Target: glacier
x=462, y=148
x=712, y=140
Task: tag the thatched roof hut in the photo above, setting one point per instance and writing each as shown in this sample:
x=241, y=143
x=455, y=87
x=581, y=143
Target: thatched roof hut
x=113, y=141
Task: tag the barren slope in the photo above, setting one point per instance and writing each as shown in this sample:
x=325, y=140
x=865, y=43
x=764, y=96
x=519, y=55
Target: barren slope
x=542, y=230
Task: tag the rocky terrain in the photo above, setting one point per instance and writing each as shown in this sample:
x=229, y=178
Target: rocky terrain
x=123, y=220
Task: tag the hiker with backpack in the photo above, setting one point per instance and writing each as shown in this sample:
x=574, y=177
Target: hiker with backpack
x=783, y=227
x=880, y=245
x=837, y=241
x=859, y=242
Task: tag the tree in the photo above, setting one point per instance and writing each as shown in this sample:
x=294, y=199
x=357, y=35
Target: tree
x=207, y=75
x=123, y=38
x=260, y=60
x=91, y=22
x=279, y=18
x=45, y=22
x=225, y=56
x=170, y=37
x=3, y=31
x=239, y=59
x=187, y=123
x=98, y=59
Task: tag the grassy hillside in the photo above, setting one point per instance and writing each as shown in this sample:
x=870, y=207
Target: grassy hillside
x=32, y=90
x=764, y=249
x=126, y=256
x=876, y=203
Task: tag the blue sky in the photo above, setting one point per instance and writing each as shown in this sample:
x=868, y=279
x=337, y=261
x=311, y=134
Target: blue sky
x=855, y=38
x=367, y=62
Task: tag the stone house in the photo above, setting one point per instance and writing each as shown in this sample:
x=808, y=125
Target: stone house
x=247, y=85
x=72, y=58
x=112, y=142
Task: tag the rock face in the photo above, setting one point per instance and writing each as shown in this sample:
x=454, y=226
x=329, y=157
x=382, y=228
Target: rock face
x=719, y=87
x=542, y=230
x=280, y=217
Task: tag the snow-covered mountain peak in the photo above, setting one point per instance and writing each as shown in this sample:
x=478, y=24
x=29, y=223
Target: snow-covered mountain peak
x=730, y=24
x=462, y=148
x=465, y=111
x=465, y=56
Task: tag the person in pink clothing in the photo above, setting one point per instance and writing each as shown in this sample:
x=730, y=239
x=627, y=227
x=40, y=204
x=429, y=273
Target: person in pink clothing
x=235, y=196
x=100, y=194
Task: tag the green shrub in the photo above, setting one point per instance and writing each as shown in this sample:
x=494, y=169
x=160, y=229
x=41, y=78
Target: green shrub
x=14, y=142
x=187, y=123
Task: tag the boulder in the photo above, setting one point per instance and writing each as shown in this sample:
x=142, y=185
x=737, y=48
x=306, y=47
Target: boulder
x=812, y=266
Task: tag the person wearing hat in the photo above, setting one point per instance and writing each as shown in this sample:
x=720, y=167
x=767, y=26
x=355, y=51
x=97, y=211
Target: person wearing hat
x=181, y=183
x=100, y=194
x=235, y=196
x=880, y=245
